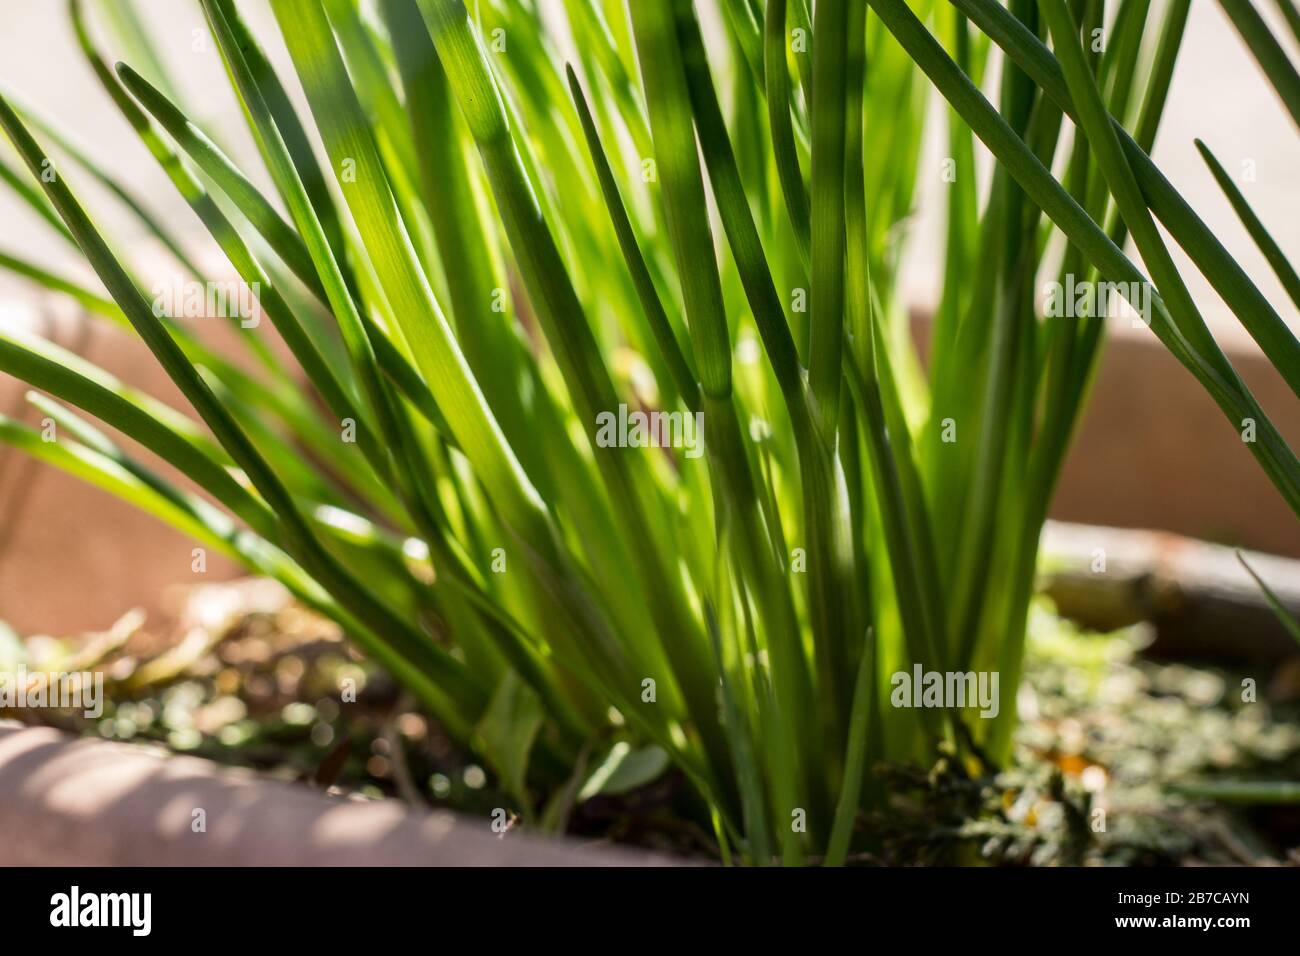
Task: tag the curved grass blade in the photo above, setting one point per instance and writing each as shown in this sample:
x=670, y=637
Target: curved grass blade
x=89, y=300
x=82, y=157
x=563, y=319
x=776, y=77
x=1268, y=53
x=1132, y=205
x=674, y=356
x=109, y=469
x=832, y=575
x=124, y=18
x=1162, y=72
x=1237, y=404
x=1277, y=259
x=826, y=206
x=407, y=651
x=1274, y=602
x=167, y=433
x=286, y=243
x=303, y=157
x=860, y=717
x=1248, y=304
x=345, y=132
x=35, y=199
x=337, y=395
x=492, y=348
x=1291, y=14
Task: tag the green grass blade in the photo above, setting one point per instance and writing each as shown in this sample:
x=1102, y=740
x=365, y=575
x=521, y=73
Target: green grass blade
x=82, y=156
x=1248, y=304
x=406, y=644
x=283, y=240
x=668, y=103
x=299, y=145
x=846, y=809
x=88, y=299
x=683, y=377
x=1120, y=59
x=1162, y=72
x=1268, y=53
x=563, y=319
x=831, y=576
x=1243, y=793
x=345, y=132
x=34, y=198
x=1277, y=259
x=826, y=297
x=776, y=77
x=493, y=350
x=738, y=224
x=98, y=469
x=214, y=164
x=1274, y=602
x=162, y=430
x=1291, y=14
x=742, y=750
x=1271, y=450
x=125, y=20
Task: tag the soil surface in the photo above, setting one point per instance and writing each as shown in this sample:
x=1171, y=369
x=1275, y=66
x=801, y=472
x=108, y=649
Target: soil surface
x=1111, y=763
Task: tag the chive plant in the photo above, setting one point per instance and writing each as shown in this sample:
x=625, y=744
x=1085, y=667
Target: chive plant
x=597, y=419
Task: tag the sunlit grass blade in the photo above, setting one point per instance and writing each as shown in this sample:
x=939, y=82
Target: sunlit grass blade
x=88, y=299
x=422, y=323
x=1268, y=53
x=214, y=164
x=831, y=576
x=511, y=237
x=167, y=433
x=406, y=644
x=1271, y=450
x=674, y=356
x=1162, y=73
x=475, y=286
x=280, y=236
x=262, y=75
x=1277, y=259
x=129, y=28
x=668, y=101
x=777, y=79
x=1248, y=304
x=563, y=319
x=826, y=207
x=81, y=157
